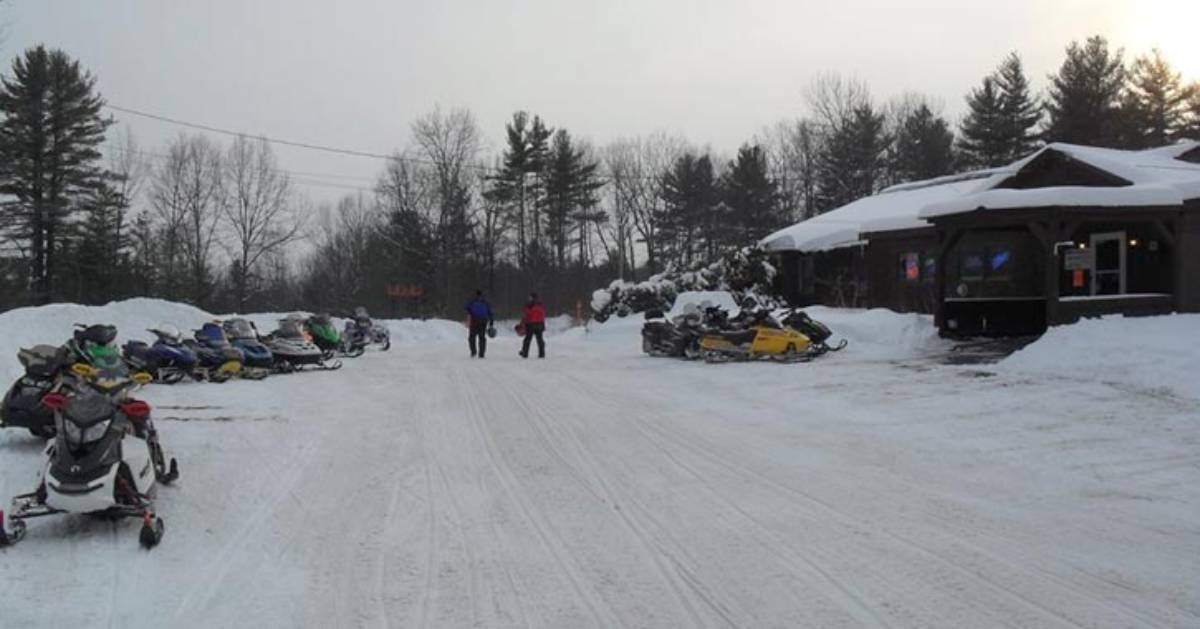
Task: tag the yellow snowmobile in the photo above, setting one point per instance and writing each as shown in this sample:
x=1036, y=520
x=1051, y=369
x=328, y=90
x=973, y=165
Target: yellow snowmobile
x=761, y=341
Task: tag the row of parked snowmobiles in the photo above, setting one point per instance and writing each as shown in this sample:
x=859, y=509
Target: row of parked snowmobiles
x=220, y=351
x=708, y=332
x=103, y=453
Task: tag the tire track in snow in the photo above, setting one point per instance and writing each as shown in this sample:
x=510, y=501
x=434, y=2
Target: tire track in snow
x=848, y=600
x=601, y=614
x=857, y=523
x=212, y=575
x=587, y=471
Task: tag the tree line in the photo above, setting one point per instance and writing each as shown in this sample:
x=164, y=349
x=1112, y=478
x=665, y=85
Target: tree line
x=89, y=218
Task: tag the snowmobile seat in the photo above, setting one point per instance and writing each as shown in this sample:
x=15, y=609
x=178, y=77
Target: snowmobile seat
x=739, y=337
x=41, y=361
x=654, y=313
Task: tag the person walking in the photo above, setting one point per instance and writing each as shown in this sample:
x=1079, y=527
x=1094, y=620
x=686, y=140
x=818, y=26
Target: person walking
x=533, y=317
x=479, y=319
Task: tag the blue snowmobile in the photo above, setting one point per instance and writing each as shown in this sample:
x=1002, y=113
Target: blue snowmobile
x=168, y=359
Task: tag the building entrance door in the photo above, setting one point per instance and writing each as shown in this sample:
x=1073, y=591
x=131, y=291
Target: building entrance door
x=1108, y=276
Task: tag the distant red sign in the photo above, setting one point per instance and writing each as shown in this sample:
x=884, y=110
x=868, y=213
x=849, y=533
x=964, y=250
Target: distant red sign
x=405, y=291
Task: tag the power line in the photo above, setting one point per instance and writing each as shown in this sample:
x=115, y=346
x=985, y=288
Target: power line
x=298, y=177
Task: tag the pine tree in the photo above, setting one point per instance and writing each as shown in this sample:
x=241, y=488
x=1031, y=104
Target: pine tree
x=924, y=146
x=49, y=157
x=753, y=200
x=851, y=163
x=1084, y=103
x=570, y=187
x=981, y=142
x=1156, y=102
x=1020, y=112
x=1191, y=125
x=1002, y=117
x=689, y=222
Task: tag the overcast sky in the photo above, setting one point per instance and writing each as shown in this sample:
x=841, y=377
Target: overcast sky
x=354, y=73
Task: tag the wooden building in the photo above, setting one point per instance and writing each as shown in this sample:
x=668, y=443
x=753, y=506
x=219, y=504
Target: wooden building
x=1067, y=232
x=1072, y=232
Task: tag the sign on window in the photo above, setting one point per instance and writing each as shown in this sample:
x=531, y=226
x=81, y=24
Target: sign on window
x=1079, y=259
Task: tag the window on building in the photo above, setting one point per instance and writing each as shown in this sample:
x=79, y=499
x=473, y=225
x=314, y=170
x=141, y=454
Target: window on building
x=929, y=269
x=999, y=263
x=971, y=266
x=910, y=267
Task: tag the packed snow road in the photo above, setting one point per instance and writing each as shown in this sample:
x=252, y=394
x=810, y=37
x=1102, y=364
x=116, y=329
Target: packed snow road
x=601, y=488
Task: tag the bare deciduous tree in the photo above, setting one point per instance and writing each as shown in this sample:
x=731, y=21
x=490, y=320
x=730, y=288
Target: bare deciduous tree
x=260, y=210
x=185, y=196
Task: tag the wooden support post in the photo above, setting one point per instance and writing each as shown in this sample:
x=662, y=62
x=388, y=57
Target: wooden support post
x=1052, y=234
x=947, y=241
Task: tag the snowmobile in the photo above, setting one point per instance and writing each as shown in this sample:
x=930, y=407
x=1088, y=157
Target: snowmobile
x=168, y=359
x=22, y=406
x=216, y=359
x=676, y=337
x=256, y=357
x=361, y=332
x=679, y=336
x=93, y=345
x=324, y=334
x=757, y=334
x=293, y=349
x=816, y=331
x=105, y=459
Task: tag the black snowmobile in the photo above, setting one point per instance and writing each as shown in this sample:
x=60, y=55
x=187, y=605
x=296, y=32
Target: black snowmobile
x=105, y=459
x=22, y=407
x=293, y=349
x=817, y=332
x=361, y=331
x=679, y=336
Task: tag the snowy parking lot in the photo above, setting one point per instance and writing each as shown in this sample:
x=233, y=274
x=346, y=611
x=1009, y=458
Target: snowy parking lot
x=876, y=487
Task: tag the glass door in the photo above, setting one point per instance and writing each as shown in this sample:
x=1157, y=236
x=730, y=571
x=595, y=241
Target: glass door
x=1108, y=275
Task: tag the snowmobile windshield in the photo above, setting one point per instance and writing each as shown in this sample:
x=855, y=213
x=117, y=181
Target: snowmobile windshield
x=103, y=356
x=289, y=328
x=168, y=334
x=361, y=313
x=241, y=329
x=87, y=408
x=212, y=333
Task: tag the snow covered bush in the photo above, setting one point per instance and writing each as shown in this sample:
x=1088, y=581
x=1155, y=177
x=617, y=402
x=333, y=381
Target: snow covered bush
x=746, y=272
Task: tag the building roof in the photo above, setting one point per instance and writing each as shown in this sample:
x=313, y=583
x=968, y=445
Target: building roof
x=1151, y=177
x=895, y=208
x=1161, y=176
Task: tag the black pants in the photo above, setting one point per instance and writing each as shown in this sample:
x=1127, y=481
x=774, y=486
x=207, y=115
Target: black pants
x=532, y=330
x=478, y=330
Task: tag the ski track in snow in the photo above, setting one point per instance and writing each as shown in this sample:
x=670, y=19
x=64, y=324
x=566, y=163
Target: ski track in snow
x=601, y=488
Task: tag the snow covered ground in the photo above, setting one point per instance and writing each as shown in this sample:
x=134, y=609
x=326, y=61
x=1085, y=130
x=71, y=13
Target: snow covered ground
x=876, y=487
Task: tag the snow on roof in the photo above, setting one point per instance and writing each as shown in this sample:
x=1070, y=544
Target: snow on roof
x=895, y=208
x=1157, y=177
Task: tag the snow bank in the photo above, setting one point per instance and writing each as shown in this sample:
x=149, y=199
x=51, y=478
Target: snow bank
x=53, y=325
x=881, y=332
x=1152, y=352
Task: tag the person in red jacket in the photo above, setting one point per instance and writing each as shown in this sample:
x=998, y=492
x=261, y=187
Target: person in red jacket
x=533, y=318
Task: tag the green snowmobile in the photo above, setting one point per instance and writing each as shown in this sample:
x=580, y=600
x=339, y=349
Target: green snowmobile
x=324, y=334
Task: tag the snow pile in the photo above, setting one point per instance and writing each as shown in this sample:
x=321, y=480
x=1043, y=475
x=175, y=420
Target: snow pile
x=1148, y=352
x=54, y=324
x=881, y=332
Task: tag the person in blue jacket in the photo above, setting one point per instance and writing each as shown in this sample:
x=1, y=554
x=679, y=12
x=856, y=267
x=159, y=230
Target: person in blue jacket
x=479, y=319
